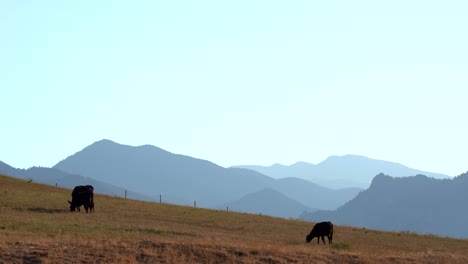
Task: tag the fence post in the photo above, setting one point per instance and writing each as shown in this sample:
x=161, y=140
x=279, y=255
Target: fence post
x=125, y=194
x=160, y=198
x=195, y=204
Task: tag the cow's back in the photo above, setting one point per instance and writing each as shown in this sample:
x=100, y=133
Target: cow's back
x=79, y=189
x=324, y=228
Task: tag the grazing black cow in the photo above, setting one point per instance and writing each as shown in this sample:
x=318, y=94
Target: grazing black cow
x=82, y=195
x=319, y=231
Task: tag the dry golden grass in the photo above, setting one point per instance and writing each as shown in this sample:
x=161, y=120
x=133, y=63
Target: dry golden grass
x=36, y=227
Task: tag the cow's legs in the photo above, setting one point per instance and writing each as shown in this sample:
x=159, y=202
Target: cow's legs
x=330, y=238
x=323, y=239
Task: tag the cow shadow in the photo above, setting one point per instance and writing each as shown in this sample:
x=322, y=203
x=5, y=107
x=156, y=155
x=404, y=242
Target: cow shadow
x=45, y=210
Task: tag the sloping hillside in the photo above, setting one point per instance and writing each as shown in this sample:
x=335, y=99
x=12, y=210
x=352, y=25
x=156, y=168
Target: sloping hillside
x=36, y=227
x=417, y=204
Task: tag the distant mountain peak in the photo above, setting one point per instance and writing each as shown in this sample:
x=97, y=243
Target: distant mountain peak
x=302, y=164
x=105, y=141
x=109, y=145
x=380, y=179
x=102, y=144
x=277, y=165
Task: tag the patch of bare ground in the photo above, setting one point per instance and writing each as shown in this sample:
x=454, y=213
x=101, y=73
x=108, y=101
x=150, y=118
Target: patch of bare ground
x=154, y=251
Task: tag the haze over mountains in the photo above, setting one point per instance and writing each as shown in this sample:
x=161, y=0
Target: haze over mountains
x=59, y=178
x=417, y=204
x=145, y=172
x=341, y=171
x=271, y=202
x=153, y=171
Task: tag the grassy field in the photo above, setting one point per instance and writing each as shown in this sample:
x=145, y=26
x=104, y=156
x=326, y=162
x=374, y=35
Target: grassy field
x=37, y=227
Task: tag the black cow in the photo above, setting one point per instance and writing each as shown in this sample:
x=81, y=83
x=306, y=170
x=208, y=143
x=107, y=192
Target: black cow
x=319, y=231
x=82, y=195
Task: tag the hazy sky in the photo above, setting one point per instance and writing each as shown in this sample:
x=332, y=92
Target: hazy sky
x=237, y=82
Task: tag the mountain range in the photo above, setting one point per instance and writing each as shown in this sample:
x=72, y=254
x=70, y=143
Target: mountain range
x=341, y=171
x=153, y=171
x=148, y=173
x=417, y=204
x=59, y=178
x=268, y=202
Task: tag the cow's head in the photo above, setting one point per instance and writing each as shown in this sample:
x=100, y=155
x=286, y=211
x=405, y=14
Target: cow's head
x=309, y=238
x=72, y=206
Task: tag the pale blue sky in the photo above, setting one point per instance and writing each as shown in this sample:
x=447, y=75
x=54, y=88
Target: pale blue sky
x=237, y=82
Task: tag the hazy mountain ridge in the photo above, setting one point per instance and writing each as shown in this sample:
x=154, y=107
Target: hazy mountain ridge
x=268, y=202
x=418, y=204
x=153, y=171
x=308, y=193
x=279, y=171
x=7, y=169
x=271, y=202
x=113, y=168
x=59, y=178
x=341, y=171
